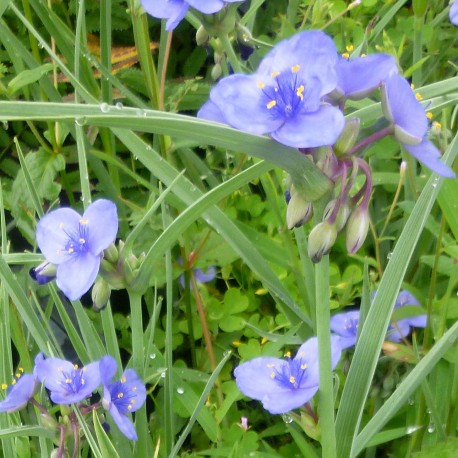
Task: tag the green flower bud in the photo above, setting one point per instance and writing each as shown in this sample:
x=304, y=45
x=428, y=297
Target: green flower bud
x=216, y=71
x=299, y=211
x=48, y=421
x=342, y=213
x=321, y=240
x=326, y=160
x=111, y=254
x=348, y=137
x=101, y=293
x=357, y=228
x=201, y=36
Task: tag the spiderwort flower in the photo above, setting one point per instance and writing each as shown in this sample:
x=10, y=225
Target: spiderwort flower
x=75, y=243
x=284, y=384
x=345, y=325
x=67, y=382
x=175, y=10
x=44, y=273
x=21, y=390
x=410, y=123
x=453, y=13
x=284, y=98
x=122, y=397
x=402, y=328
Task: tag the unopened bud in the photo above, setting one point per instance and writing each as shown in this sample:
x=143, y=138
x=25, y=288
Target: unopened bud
x=44, y=273
x=321, y=240
x=48, y=421
x=111, y=254
x=326, y=160
x=357, y=228
x=216, y=71
x=348, y=137
x=101, y=293
x=201, y=36
x=342, y=214
x=298, y=212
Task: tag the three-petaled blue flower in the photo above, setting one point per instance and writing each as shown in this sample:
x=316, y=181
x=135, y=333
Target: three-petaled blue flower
x=410, y=123
x=285, y=97
x=21, y=390
x=175, y=10
x=75, y=243
x=67, y=382
x=123, y=396
x=345, y=325
x=284, y=384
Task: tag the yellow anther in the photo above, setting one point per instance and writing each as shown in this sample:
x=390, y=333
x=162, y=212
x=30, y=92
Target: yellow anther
x=303, y=366
x=75, y=366
x=68, y=380
x=300, y=92
x=82, y=241
x=270, y=365
x=363, y=54
x=123, y=380
x=418, y=96
x=120, y=395
x=437, y=125
x=17, y=374
x=288, y=354
x=260, y=84
x=59, y=369
x=134, y=388
x=70, y=250
x=412, y=86
x=133, y=401
x=272, y=375
x=84, y=221
x=20, y=369
x=274, y=74
x=429, y=115
x=292, y=379
x=83, y=381
x=346, y=55
x=13, y=382
x=264, y=340
x=271, y=104
x=295, y=68
x=349, y=48
x=129, y=407
x=236, y=343
x=4, y=386
x=61, y=225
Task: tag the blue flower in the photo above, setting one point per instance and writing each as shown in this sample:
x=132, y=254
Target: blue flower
x=410, y=123
x=123, y=396
x=75, y=243
x=44, y=273
x=345, y=325
x=285, y=97
x=401, y=328
x=67, y=382
x=21, y=390
x=453, y=13
x=358, y=77
x=284, y=384
x=175, y=10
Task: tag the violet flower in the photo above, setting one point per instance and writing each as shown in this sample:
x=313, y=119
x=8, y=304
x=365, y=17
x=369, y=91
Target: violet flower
x=67, y=382
x=75, y=243
x=175, y=10
x=410, y=123
x=358, y=77
x=285, y=97
x=402, y=328
x=284, y=384
x=345, y=325
x=123, y=396
x=453, y=13
x=21, y=390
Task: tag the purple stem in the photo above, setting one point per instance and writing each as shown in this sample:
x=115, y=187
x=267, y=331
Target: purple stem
x=371, y=139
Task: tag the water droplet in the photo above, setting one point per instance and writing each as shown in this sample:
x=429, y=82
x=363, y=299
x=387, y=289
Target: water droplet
x=411, y=401
x=412, y=429
x=388, y=256
x=152, y=356
x=138, y=112
x=149, y=148
x=287, y=418
x=81, y=121
x=104, y=107
x=119, y=105
x=162, y=374
x=180, y=390
x=435, y=181
x=431, y=427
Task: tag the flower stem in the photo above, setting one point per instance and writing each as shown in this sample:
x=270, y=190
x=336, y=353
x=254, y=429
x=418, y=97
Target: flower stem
x=371, y=139
x=326, y=412
x=229, y=50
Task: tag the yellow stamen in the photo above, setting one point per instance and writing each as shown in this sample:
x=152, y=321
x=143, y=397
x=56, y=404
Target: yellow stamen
x=303, y=366
x=260, y=84
x=274, y=74
x=300, y=92
x=68, y=380
x=429, y=115
x=437, y=125
x=123, y=380
x=61, y=225
x=4, y=386
x=75, y=366
x=346, y=55
x=13, y=382
x=84, y=221
x=70, y=250
x=134, y=388
x=264, y=340
x=288, y=354
x=292, y=379
x=271, y=104
x=272, y=375
x=295, y=68
x=349, y=48
x=120, y=395
x=129, y=407
x=418, y=96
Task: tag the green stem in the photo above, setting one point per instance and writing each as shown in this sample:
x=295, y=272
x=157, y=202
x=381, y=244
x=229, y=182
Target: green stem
x=327, y=425
x=230, y=54
x=136, y=324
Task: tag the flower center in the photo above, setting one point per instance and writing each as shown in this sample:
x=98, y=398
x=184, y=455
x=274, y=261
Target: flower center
x=77, y=240
x=123, y=395
x=291, y=374
x=72, y=381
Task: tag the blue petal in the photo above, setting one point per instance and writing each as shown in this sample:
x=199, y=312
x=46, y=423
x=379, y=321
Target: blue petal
x=54, y=231
x=309, y=130
x=397, y=331
x=313, y=51
x=101, y=225
x=242, y=101
x=206, y=6
x=18, y=395
x=343, y=323
x=282, y=403
x=430, y=156
x=173, y=10
x=254, y=378
x=124, y=423
x=50, y=370
x=404, y=110
x=358, y=77
x=453, y=13
x=212, y=112
x=205, y=277
x=77, y=275
x=405, y=298
x=108, y=368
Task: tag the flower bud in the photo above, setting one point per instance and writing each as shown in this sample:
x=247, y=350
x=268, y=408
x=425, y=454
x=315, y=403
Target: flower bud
x=326, y=161
x=48, y=421
x=201, y=36
x=342, y=214
x=101, y=293
x=216, y=71
x=111, y=254
x=348, y=137
x=299, y=211
x=44, y=273
x=321, y=240
x=357, y=228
